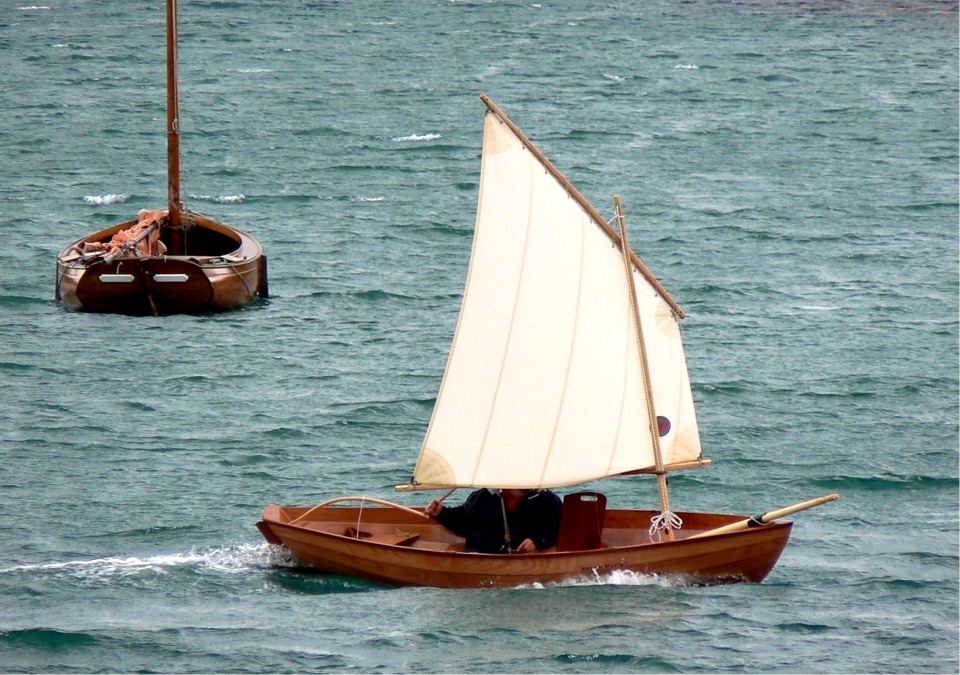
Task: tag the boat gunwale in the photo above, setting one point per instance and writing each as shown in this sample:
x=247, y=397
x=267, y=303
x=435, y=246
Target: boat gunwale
x=271, y=522
x=247, y=246
x=745, y=555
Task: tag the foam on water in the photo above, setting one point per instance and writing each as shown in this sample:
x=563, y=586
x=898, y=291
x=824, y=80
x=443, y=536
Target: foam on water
x=620, y=578
x=229, y=559
x=418, y=138
x=101, y=200
x=220, y=199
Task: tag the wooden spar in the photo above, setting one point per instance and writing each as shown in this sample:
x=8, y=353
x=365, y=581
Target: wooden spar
x=584, y=204
x=132, y=244
x=447, y=494
x=676, y=466
x=175, y=206
x=769, y=516
x=645, y=366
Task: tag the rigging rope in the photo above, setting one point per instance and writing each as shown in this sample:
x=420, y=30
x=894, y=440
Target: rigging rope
x=359, y=516
x=506, y=525
x=663, y=522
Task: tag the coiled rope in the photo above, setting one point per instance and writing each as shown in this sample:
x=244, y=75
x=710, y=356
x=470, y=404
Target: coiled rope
x=663, y=522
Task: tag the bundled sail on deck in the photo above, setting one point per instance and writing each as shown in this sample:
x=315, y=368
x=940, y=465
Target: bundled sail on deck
x=544, y=385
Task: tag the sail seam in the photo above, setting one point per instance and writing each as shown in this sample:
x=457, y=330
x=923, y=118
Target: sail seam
x=424, y=448
x=506, y=348
x=570, y=351
x=627, y=348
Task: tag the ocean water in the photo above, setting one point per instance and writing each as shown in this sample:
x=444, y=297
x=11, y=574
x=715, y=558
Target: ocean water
x=789, y=170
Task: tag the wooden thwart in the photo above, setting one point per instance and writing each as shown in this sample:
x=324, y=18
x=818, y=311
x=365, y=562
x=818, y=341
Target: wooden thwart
x=387, y=539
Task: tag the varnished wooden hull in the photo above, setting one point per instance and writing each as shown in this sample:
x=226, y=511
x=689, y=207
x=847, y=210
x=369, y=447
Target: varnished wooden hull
x=399, y=548
x=225, y=269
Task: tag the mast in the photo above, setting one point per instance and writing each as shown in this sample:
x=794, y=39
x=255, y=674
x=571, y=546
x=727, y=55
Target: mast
x=645, y=366
x=174, y=205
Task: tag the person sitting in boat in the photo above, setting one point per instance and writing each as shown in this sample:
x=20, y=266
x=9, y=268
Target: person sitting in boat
x=533, y=517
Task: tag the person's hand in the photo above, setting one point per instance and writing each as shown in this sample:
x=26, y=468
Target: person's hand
x=526, y=546
x=433, y=508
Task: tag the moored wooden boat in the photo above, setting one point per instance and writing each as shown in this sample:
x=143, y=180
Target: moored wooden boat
x=222, y=268
x=163, y=262
x=567, y=366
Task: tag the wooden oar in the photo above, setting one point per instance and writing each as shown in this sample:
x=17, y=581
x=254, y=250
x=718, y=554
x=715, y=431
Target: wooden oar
x=768, y=516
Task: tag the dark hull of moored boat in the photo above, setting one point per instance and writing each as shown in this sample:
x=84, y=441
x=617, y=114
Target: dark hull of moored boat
x=223, y=268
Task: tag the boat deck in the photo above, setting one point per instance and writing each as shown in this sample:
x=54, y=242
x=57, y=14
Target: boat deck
x=393, y=527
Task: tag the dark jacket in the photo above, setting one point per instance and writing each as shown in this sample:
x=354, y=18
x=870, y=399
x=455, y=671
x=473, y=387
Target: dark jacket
x=480, y=520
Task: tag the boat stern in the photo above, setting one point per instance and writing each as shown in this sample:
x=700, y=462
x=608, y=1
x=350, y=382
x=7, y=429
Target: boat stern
x=222, y=269
x=274, y=513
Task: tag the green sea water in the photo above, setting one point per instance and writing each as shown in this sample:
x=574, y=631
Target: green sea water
x=789, y=171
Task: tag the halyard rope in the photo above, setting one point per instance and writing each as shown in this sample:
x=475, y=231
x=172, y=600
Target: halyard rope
x=360, y=515
x=661, y=523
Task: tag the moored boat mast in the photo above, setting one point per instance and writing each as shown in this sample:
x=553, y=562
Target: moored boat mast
x=175, y=206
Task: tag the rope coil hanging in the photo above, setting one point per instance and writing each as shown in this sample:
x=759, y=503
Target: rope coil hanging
x=664, y=523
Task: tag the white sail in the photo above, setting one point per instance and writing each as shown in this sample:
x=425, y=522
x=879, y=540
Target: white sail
x=543, y=385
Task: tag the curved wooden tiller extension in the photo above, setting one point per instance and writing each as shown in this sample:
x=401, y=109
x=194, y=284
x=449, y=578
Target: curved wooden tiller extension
x=360, y=498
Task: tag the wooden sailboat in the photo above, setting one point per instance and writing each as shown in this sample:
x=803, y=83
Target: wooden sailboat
x=567, y=366
x=165, y=261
